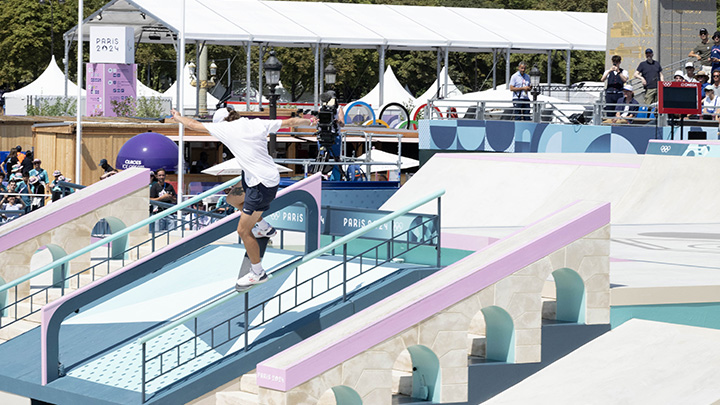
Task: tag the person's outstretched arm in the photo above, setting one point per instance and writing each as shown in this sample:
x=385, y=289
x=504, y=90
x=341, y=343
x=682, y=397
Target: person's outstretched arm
x=188, y=122
x=297, y=121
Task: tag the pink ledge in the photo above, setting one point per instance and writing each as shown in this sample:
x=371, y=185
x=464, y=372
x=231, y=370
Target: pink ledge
x=345, y=348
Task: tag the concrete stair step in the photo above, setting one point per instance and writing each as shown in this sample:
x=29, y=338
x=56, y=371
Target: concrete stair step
x=248, y=383
x=401, y=382
x=236, y=398
x=16, y=329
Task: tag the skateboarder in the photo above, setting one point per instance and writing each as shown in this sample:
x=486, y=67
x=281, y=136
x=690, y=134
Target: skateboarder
x=247, y=140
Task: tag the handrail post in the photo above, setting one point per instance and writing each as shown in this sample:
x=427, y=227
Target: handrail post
x=246, y=319
x=142, y=377
x=344, y=272
x=439, y=206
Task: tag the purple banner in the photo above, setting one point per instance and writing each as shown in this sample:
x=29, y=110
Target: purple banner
x=108, y=82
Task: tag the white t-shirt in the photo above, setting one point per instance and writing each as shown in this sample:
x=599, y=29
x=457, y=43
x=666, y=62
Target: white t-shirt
x=247, y=140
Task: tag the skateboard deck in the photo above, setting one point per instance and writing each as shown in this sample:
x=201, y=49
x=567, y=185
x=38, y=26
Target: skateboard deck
x=245, y=266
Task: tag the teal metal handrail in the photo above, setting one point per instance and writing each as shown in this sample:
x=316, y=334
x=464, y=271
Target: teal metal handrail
x=292, y=263
x=124, y=232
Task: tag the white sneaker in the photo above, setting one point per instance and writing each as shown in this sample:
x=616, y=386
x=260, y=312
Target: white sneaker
x=267, y=233
x=249, y=280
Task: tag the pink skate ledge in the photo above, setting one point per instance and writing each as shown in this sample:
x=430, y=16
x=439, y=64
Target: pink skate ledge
x=421, y=300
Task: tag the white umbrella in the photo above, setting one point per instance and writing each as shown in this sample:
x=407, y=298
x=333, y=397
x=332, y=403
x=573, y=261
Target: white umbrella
x=232, y=168
x=385, y=157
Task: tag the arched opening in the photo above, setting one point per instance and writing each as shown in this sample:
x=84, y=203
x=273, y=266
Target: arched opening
x=340, y=395
x=499, y=335
x=105, y=227
x=570, y=293
x=44, y=256
x=416, y=375
x=477, y=340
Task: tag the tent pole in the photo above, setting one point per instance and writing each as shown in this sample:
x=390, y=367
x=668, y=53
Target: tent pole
x=248, y=63
x=494, y=51
x=321, y=73
x=438, y=69
x=181, y=107
x=549, y=69
x=65, y=62
x=261, y=57
x=567, y=68
x=78, y=125
x=381, y=100
x=507, y=68
x=447, y=57
x=316, y=101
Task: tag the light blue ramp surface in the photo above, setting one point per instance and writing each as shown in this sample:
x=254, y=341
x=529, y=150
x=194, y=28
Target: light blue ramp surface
x=187, y=284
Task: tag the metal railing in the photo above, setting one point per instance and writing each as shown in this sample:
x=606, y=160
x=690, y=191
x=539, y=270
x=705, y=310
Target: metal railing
x=222, y=333
x=60, y=265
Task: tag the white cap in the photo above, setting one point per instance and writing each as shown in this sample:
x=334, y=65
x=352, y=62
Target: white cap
x=220, y=114
x=690, y=64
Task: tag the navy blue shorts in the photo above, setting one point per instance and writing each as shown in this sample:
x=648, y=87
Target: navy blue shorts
x=257, y=198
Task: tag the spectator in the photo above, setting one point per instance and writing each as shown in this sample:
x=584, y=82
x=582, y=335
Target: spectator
x=702, y=52
x=163, y=192
x=10, y=161
x=627, y=108
x=222, y=206
x=649, y=72
x=27, y=163
x=709, y=103
x=16, y=172
x=702, y=78
x=690, y=73
x=678, y=76
x=55, y=187
x=3, y=189
x=616, y=78
x=520, y=85
x=20, y=154
x=199, y=165
x=12, y=203
x=107, y=169
x=715, y=52
x=36, y=187
x=39, y=172
x=23, y=188
x=715, y=81
x=153, y=178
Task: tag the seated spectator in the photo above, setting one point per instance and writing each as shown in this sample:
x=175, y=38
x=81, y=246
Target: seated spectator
x=702, y=78
x=678, y=76
x=709, y=104
x=222, y=206
x=3, y=189
x=55, y=188
x=627, y=108
x=13, y=203
x=690, y=72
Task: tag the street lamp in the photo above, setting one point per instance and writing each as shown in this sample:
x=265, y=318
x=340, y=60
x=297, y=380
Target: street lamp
x=330, y=74
x=52, y=23
x=535, y=82
x=272, y=68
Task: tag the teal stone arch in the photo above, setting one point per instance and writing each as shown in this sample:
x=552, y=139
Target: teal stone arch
x=499, y=335
x=426, y=373
x=571, y=296
x=120, y=245
x=345, y=395
x=59, y=273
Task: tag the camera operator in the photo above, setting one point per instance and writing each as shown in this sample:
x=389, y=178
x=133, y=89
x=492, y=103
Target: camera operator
x=329, y=133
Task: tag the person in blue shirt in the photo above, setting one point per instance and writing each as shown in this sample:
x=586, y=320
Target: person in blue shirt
x=520, y=85
x=627, y=107
x=715, y=52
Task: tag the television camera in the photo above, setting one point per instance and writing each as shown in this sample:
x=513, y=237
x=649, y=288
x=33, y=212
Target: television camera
x=328, y=132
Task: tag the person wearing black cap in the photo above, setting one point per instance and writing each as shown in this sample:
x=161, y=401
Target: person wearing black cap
x=649, y=72
x=702, y=51
x=107, y=169
x=616, y=78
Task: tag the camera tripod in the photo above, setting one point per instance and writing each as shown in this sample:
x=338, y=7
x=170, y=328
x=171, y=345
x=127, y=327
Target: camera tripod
x=325, y=154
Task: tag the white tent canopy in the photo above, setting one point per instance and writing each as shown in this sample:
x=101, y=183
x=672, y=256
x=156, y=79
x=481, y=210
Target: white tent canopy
x=432, y=91
x=234, y=22
x=142, y=90
x=393, y=90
